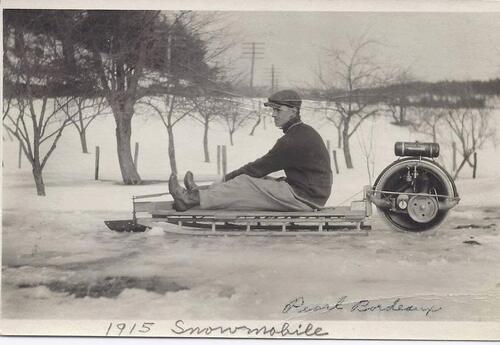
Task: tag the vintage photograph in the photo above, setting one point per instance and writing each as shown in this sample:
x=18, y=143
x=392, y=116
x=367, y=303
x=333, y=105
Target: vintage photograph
x=283, y=173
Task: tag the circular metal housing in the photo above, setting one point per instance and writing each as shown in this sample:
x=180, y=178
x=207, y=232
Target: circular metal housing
x=422, y=211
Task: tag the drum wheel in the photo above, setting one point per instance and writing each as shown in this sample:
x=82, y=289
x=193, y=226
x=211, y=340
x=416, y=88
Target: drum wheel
x=414, y=175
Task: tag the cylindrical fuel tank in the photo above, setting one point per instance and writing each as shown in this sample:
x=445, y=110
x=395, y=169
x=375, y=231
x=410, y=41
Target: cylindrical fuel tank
x=416, y=149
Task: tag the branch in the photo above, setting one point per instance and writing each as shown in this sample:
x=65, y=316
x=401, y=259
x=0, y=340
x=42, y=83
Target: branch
x=44, y=125
x=189, y=111
x=53, y=146
x=371, y=113
x=26, y=134
x=27, y=152
x=66, y=111
x=59, y=129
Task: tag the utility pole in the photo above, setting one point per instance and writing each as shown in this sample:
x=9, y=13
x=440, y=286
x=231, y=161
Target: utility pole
x=254, y=51
x=273, y=77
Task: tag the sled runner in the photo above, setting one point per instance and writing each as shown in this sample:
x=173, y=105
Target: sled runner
x=330, y=220
x=414, y=193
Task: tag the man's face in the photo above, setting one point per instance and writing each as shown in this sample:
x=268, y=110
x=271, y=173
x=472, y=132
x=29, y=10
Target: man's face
x=282, y=114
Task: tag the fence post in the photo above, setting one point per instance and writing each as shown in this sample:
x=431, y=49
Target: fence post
x=97, y=152
x=335, y=161
x=224, y=160
x=218, y=159
x=454, y=147
x=474, y=168
x=19, y=159
x=136, y=154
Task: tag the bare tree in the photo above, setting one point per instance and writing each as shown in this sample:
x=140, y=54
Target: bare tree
x=192, y=41
x=81, y=112
x=192, y=94
x=356, y=75
x=207, y=110
x=234, y=114
x=171, y=109
x=332, y=115
x=38, y=131
x=398, y=109
x=258, y=116
x=35, y=72
x=397, y=97
x=428, y=121
x=366, y=144
x=473, y=128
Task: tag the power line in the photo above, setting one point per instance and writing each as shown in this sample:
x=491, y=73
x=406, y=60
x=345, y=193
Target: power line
x=254, y=50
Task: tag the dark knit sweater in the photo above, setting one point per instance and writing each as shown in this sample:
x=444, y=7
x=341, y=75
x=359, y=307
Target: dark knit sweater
x=302, y=154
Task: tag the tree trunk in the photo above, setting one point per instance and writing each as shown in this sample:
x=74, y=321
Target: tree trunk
x=123, y=118
x=231, y=138
x=255, y=125
x=346, y=148
x=9, y=135
x=205, y=143
x=459, y=168
x=83, y=141
x=474, y=168
x=339, y=138
x=393, y=114
x=171, y=150
x=37, y=175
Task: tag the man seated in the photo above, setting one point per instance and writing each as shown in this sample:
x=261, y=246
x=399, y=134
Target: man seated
x=300, y=152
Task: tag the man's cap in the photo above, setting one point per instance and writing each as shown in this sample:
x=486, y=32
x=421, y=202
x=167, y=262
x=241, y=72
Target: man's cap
x=288, y=98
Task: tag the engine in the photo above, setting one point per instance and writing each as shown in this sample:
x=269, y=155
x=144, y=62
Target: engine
x=414, y=193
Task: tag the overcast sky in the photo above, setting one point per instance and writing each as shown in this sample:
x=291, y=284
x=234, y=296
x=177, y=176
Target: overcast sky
x=435, y=46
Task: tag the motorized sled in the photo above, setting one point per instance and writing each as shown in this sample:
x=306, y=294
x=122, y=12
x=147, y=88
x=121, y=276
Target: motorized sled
x=414, y=193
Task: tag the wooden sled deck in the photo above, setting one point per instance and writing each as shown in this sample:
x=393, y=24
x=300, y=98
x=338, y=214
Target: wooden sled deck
x=327, y=221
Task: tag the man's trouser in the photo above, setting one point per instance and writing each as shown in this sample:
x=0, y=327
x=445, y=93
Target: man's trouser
x=249, y=193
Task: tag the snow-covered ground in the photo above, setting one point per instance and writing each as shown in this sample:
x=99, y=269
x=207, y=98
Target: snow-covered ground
x=60, y=261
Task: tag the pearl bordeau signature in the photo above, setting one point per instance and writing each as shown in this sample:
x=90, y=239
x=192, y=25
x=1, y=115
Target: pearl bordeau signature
x=298, y=305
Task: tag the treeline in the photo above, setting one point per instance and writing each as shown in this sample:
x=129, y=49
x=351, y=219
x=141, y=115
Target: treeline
x=447, y=88
x=470, y=93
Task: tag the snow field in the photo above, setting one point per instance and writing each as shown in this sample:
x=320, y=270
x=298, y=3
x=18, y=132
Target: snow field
x=61, y=238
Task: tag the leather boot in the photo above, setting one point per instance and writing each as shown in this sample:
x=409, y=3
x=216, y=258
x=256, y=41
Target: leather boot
x=189, y=181
x=183, y=199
